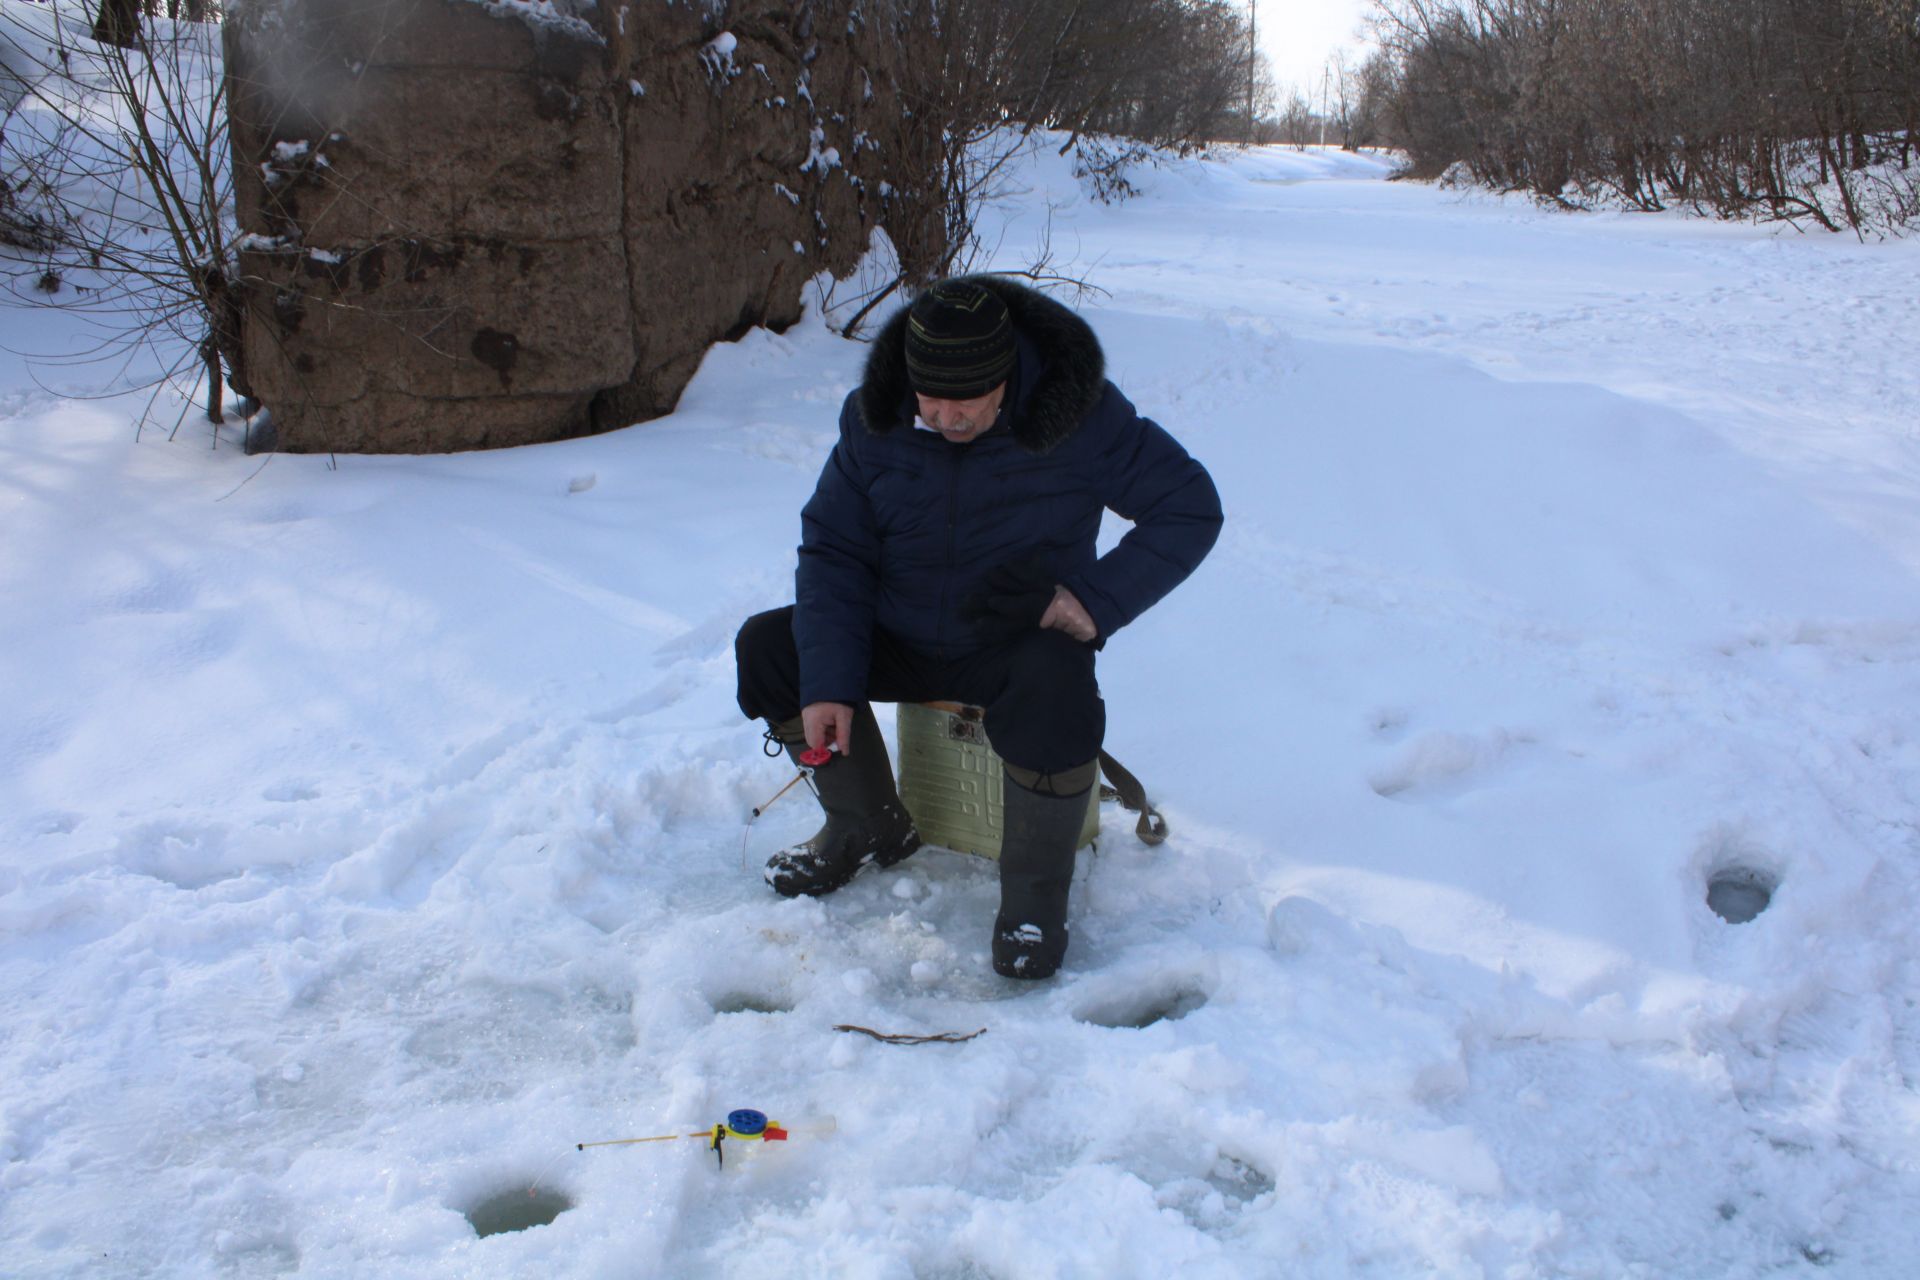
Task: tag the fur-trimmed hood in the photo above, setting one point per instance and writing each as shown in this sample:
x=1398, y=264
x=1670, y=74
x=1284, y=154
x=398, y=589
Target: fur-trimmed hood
x=1052, y=398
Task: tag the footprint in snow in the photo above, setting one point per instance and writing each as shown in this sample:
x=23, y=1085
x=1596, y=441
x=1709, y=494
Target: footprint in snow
x=1439, y=762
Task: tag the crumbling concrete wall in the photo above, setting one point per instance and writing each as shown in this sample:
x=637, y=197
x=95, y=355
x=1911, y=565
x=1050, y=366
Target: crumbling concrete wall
x=478, y=224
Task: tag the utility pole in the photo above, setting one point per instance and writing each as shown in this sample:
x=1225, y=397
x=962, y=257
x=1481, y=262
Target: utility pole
x=1253, y=16
x=1323, y=105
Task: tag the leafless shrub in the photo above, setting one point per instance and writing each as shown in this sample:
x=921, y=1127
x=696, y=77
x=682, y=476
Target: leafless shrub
x=1807, y=110
x=1106, y=164
x=1167, y=73
x=1117, y=77
x=114, y=153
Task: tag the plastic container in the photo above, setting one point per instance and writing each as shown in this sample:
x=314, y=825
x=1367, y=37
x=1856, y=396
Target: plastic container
x=952, y=782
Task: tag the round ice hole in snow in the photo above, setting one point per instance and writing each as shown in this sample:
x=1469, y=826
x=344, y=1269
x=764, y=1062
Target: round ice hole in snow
x=751, y=1002
x=1738, y=894
x=1141, y=1010
x=516, y=1210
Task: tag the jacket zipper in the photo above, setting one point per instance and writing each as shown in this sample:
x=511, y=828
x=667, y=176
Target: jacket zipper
x=953, y=519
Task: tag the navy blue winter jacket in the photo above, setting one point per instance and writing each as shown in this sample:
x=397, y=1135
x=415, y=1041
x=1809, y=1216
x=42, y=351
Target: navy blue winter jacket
x=903, y=526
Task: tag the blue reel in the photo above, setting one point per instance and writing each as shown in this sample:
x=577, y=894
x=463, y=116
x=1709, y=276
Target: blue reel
x=747, y=1123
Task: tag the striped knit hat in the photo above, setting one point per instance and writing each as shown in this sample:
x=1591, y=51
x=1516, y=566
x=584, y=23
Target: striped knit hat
x=959, y=341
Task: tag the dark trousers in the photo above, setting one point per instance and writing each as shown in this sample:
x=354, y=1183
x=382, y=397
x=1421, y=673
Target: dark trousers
x=1044, y=710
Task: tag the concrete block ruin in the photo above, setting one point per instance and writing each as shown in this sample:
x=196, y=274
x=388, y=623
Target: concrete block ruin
x=477, y=223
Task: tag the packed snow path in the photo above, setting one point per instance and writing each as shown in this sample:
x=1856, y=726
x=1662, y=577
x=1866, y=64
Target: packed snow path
x=373, y=835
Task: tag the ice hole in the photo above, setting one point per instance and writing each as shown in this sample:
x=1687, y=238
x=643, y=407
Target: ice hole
x=751, y=1002
x=1238, y=1181
x=1738, y=894
x=516, y=1210
x=1143, y=1010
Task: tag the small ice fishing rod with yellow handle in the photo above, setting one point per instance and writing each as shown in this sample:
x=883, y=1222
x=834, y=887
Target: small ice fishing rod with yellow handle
x=744, y=1125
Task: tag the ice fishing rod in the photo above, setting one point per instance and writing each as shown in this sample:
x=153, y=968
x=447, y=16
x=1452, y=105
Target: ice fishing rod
x=810, y=759
x=743, y=1125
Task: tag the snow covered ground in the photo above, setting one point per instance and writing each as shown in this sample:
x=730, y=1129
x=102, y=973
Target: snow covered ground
x=372, y=835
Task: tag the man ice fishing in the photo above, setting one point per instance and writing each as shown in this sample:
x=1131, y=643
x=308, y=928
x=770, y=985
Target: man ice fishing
x=948, y=552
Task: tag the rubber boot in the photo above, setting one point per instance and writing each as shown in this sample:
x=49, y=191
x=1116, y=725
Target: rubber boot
x=1038, y=842
x=866, y=823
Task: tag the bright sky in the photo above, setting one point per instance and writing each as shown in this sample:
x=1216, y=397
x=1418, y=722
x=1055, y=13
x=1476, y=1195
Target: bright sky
x=1299, y=36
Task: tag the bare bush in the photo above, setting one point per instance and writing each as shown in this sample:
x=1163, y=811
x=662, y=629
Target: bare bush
x=1118, y=78
x=1106, y=165
x=115, y=156
x=1806, y=110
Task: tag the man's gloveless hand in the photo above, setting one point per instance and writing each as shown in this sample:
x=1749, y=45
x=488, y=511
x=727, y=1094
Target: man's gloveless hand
x=1067, y=614
x=828, y=722
x=1017, y=597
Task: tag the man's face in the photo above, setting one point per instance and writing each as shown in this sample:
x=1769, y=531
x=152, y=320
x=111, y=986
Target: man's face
x=960, y=421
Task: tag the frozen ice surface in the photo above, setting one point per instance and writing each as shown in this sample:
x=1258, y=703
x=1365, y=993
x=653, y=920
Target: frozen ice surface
x=373, y=831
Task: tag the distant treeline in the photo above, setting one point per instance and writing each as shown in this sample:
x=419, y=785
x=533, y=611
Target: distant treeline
x=1115, y=77
x=1805, y=109
x=1166, y=72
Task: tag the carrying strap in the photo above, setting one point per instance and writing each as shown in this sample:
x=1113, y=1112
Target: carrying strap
x=1121, y=785
x=1152, y=828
